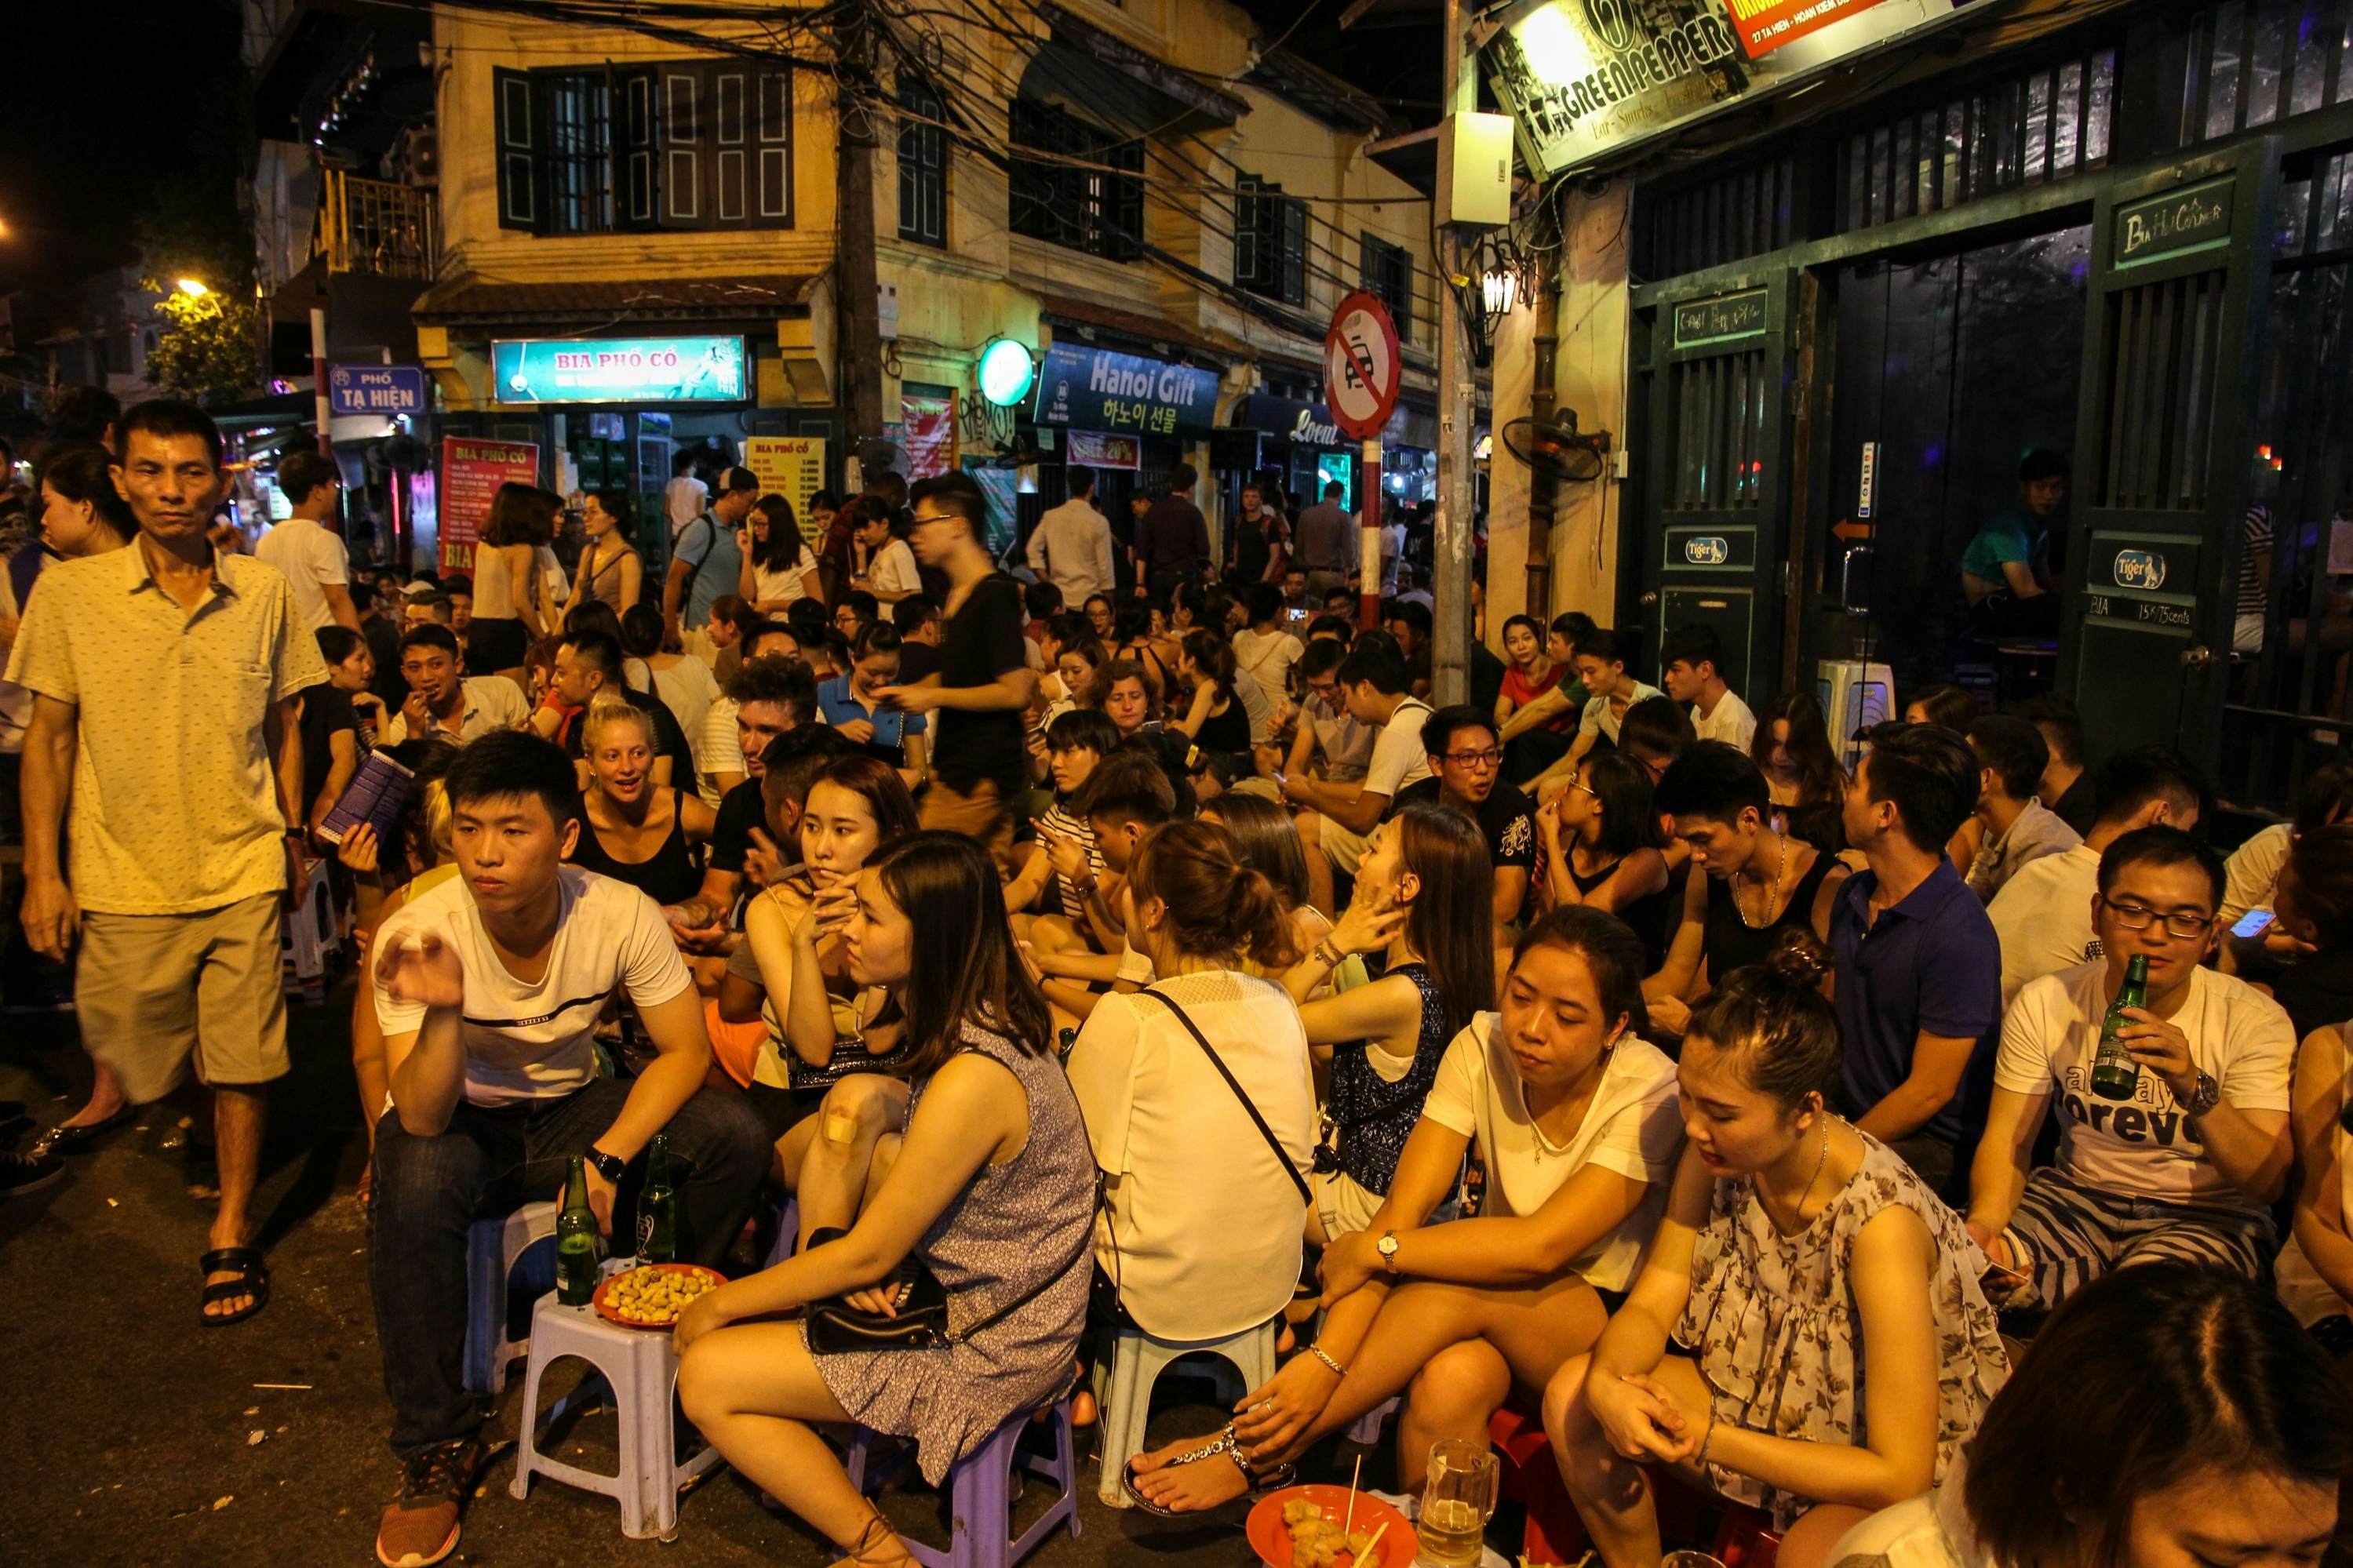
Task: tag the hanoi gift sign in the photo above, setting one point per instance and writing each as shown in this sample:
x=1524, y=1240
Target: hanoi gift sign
x=1096, y=389
x=619, y=370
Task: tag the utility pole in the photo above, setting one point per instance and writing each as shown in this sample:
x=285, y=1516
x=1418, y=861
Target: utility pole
x=860, y=345
x=1450, y=656
x=1543, y=492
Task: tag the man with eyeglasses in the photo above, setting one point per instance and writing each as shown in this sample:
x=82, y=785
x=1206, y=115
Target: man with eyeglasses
x=2187, y=1167
x=1466, y=764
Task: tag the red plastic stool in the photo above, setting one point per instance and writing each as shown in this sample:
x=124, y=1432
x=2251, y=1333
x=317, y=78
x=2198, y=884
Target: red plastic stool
x=1553, y=1536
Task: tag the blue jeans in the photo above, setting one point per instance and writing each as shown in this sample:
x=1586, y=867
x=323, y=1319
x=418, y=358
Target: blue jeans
x=487, y=1163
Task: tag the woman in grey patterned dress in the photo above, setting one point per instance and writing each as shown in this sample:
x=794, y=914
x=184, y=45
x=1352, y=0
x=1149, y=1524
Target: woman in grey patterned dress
x=1835, y=1348
x=978, y=1167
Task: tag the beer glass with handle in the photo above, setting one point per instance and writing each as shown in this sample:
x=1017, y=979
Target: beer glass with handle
x=1458, y=1496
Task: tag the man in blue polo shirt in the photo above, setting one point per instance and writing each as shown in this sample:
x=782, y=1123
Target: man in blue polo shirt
x=1918, y=967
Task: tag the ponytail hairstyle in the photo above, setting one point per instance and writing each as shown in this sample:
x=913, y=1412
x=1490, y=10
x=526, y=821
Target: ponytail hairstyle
x=1774, y=1015
x=1213, y=656
x=1612, y=952
x=1269, y=840
x=82, y=471
x=1218, y=907
x=963, y=970
x=1450, y=921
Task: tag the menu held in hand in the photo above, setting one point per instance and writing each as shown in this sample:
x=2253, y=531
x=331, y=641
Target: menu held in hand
x=376, y=793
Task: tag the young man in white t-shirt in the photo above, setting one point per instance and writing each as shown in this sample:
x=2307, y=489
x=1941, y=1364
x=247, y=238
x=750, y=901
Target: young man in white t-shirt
x=2187, y=1167
x=1339, y=818
x=305, y=549
x=1688, y=666
x=2042, y=916
x=489, y=988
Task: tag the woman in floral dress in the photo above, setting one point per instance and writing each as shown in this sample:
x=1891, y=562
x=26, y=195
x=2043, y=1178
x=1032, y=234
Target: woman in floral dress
x=1808, y=1336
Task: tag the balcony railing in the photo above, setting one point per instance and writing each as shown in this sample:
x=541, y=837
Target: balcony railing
x=376, y=227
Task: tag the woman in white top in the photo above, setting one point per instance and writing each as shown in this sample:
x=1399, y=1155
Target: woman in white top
x=1574, y=1114
x=508, y=614
x=2167, y=1416
x=1203, y=1216
x=682, y=682
x=1267, y=649
x=778, y=565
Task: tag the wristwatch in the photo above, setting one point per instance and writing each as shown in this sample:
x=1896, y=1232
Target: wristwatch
x=1387, y=1247
x=612, y=1167
x=2204, y=1097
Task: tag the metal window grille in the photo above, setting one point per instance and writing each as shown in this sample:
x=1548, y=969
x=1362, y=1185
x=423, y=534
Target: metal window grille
x=1721, y=413
x=1741, y=213
x=1270, y=240
x=1388, y=271
x=2163, y=353
x=2251, y=62
x=578, y=158
x=1082, y=205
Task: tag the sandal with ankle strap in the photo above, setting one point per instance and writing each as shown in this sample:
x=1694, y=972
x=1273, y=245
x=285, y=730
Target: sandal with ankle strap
x=1257, y=1483
x=857, y=1554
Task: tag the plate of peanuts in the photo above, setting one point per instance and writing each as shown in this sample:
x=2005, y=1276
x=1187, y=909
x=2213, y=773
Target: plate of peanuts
x=652, y=1295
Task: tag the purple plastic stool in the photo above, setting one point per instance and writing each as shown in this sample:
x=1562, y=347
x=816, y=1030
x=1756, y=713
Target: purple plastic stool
x=981, y=1494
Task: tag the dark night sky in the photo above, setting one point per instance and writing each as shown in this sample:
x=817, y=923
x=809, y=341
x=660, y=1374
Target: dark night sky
x=87, y=124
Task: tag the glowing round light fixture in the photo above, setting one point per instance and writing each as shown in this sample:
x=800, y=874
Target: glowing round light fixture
x=1008, y=371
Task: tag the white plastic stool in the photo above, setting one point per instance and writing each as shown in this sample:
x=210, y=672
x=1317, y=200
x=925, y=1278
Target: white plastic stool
x=641, y=1370
x=493, y=1247
x=1123, y=1383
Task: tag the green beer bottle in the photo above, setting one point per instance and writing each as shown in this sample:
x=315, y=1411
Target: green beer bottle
x=2115, y=1074
x=575, y=1239
x=658, y=1207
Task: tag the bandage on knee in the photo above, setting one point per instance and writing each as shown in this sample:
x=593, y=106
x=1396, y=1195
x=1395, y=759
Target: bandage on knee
x=841, y=1127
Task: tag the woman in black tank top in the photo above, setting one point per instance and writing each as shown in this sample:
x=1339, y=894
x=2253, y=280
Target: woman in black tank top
x=631, y=828
x=1601, y=846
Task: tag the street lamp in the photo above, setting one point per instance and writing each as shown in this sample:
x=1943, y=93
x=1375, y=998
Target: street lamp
x=193, y=289
x=1500, y=285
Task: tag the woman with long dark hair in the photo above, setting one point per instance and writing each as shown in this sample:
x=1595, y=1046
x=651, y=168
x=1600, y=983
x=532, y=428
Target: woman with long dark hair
x=972, y=1168
x=1602, y=846
x=780, y=568
x=1792, y=746
x=1424, y=895
x=508, y=612
x=792, y=970
x=1270, y=844
x=1574, y=1118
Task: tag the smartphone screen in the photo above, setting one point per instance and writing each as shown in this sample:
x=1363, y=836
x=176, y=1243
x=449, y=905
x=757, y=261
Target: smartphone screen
x=2253, y=924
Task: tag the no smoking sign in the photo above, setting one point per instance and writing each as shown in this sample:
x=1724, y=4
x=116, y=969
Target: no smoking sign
x=1361, y=365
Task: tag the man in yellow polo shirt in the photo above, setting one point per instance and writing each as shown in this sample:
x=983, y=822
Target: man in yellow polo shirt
x=164, y=743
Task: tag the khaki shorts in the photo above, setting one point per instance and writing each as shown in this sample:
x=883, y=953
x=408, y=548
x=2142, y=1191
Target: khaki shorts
x=983, y=815
x=1342, y=1202
x=1343, y=844
x=156, y=992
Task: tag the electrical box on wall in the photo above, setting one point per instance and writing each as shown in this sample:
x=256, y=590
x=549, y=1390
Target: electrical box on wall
x=1474, y=169
x=886, y=312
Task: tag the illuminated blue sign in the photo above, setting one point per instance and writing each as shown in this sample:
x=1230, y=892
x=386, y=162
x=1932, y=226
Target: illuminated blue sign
x=620, y=370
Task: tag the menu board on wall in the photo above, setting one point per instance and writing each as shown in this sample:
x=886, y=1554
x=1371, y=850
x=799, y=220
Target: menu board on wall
x=792, y=467
x=471, y=472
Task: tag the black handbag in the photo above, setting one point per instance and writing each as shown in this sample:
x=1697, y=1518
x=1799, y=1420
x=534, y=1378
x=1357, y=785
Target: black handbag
x=921, y=1321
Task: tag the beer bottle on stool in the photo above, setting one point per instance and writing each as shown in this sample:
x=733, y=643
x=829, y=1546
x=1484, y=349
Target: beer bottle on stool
x=658, y=1207
x=575, y=1239
x=2115, y=1074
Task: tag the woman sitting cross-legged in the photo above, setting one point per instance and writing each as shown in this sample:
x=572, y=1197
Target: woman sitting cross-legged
x=973, y=1166
x=791, y=971
x=1423, y=895
x=1835, y=1349
x=1574, y=1117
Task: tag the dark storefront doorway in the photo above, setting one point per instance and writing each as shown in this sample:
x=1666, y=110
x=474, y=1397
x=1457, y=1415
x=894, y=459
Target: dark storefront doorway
x=1945, y=371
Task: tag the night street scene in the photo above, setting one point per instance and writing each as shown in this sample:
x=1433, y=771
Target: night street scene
x=1179, y=784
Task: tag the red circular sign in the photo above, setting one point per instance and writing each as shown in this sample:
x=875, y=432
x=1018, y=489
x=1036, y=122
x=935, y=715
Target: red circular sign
x=1362, y=366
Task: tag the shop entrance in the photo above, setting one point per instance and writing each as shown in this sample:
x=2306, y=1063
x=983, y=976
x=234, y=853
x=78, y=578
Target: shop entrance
x=1945, y=371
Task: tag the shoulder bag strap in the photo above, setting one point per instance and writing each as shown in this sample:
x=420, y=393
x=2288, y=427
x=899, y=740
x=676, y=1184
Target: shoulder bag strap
x=1281, y=1158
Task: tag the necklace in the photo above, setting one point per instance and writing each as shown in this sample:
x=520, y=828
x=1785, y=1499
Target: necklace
x=1545, y=1145
x=1772, y=893
x=1798, y=1215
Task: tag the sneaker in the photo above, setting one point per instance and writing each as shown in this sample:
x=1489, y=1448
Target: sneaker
x=22, y=1173
x=421, y=1526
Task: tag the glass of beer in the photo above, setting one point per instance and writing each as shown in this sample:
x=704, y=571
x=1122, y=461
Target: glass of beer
x=1457, y=1498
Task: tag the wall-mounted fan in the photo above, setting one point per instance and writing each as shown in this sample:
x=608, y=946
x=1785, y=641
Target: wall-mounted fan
x=1559, y=449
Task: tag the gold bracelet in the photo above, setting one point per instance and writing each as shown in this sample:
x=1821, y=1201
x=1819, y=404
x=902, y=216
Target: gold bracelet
x=1328, y=956
x=1320, y=1353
